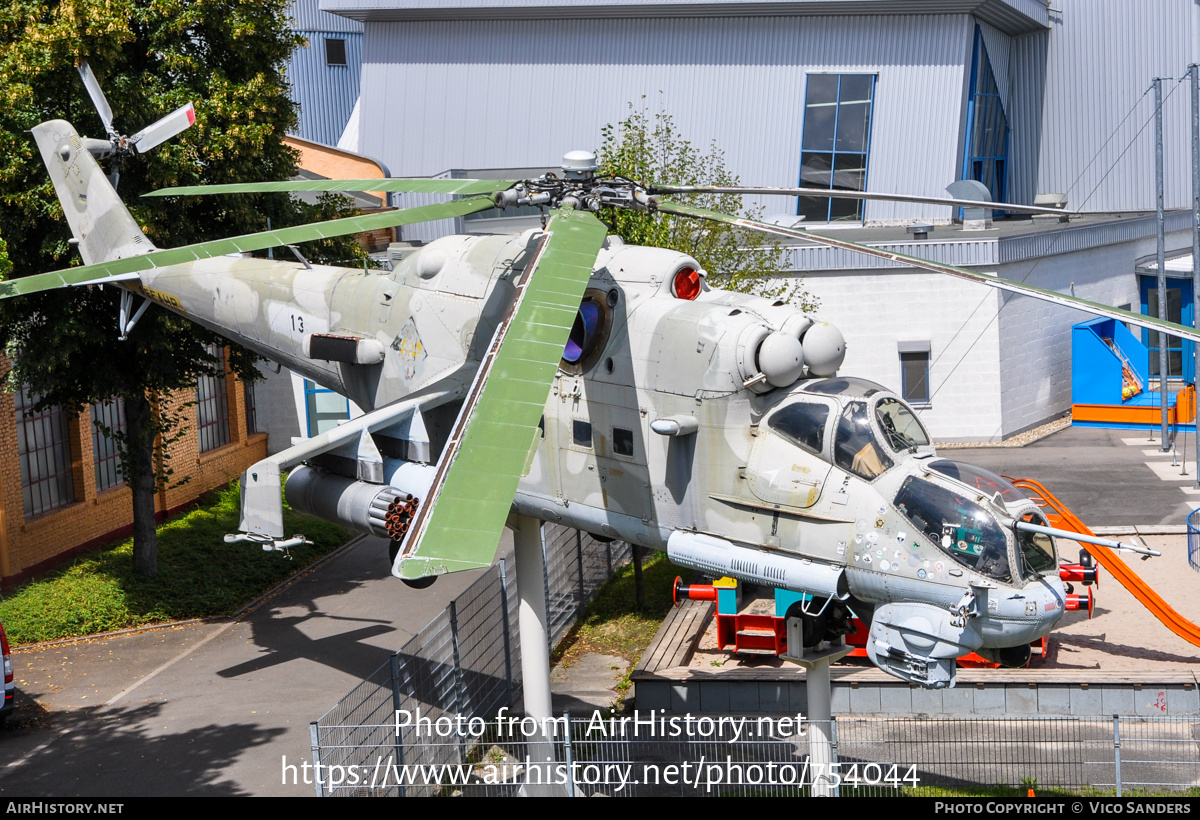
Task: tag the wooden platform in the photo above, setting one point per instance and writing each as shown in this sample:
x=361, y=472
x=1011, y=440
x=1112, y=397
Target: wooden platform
x=664, y=679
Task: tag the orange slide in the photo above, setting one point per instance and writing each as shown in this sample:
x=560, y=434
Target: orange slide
x=1064, y=519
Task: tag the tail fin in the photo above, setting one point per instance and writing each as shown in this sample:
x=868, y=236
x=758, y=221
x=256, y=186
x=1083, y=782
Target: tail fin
x=99, y=220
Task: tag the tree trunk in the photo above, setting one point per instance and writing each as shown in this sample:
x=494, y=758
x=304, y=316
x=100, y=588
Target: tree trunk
x=140, y=435
x=639, y=582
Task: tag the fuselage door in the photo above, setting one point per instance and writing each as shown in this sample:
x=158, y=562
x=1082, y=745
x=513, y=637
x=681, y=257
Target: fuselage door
x=788, y=465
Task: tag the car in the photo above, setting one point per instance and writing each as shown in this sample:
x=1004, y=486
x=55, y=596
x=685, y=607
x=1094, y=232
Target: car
x=10, y=688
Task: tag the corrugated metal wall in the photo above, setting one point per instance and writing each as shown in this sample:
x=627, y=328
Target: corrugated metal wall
x=1027, y=88
x=307, y=16
x=1102, y=57
x=325, y=94
x=518, y=93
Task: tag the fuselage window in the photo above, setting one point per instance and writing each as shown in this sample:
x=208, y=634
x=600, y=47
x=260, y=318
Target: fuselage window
x=900, y=426
x=958, y=526
x=622, y=442
x=803, y=424
x=855, y=448
x=1037, y=553
x=581, y=432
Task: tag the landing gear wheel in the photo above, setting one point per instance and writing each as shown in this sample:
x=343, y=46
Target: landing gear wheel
x=832, y=623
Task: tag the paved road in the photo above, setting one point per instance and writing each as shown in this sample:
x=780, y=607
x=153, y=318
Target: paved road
x=210, y=709
x=1107, y=477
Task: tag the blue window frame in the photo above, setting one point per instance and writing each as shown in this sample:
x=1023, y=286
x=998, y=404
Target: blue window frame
x=835, y=144
x=985, y=157
x=324, y=408
x=1180, y=306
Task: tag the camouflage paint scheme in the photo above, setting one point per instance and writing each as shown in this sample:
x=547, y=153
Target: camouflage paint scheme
x=715, y=484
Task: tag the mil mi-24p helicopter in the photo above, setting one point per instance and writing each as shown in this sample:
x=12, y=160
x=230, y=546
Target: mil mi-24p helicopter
x=566, y=376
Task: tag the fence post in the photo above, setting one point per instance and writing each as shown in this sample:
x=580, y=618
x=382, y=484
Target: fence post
x=568, y=757
x=608, y=557
x=315, y=740
x=833, y=753
x=459, y=694
x=1117, y=750
x=394, y=669
x=549, y=600
x=579, y=562
x=508, y=665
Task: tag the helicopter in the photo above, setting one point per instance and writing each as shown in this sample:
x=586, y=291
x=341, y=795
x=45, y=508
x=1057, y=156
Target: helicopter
x=564, y=375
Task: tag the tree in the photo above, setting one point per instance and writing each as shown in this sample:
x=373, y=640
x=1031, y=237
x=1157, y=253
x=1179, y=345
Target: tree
x=650, y=150
x=151, y=56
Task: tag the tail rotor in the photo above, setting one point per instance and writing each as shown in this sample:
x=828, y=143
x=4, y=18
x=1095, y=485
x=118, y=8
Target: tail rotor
x=118, y=146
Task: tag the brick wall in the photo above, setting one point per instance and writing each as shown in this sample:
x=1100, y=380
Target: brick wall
x=28, y=545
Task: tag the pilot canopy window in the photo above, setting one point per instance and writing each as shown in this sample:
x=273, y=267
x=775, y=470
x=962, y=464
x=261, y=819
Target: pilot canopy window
x=855, y=448
x=803, y=424
x=901, y=429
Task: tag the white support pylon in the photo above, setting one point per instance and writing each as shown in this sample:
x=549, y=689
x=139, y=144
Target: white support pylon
x=530, y=554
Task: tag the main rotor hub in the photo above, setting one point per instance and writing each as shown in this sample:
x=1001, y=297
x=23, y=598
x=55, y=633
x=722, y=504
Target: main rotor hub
x=579, y=165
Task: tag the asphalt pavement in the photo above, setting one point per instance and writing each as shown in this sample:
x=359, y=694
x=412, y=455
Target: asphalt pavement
x=210, y=708
x=1109, y=478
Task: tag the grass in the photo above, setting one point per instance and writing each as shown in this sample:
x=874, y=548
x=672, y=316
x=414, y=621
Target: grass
x=613, y=624
x=199, y=575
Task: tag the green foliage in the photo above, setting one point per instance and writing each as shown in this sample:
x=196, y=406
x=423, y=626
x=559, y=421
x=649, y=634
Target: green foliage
x=613, y=623
x=649, y=149
x=201, y=576
x=150, y=57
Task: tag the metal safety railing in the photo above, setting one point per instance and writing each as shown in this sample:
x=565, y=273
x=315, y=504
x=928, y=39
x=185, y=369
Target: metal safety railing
x=761, y=755
x=465, y=662
x=1193, y=532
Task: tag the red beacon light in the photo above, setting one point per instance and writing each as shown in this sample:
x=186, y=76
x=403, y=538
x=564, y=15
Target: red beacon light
x=686, y=284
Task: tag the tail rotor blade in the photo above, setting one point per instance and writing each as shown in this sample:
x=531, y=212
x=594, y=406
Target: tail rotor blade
x=162, y=130
x=97, y=94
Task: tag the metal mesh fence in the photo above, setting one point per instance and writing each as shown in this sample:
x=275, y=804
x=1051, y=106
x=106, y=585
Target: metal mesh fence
x=464, y=663
x=772, y=756
x=1193, y=530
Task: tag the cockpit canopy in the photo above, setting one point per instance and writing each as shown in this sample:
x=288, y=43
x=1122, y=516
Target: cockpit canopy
x=870, y=427
x=965, y=511
x=970, y=533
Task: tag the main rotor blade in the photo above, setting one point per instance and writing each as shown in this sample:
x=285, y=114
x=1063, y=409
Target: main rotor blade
x=459, y=526
x=838, y=194
x=163, y=129
x=1045, y=294
x=97, y=94
x=420, y=186
x=90, y=274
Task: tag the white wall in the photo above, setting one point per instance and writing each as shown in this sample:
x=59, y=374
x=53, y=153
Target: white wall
x=875, y=311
